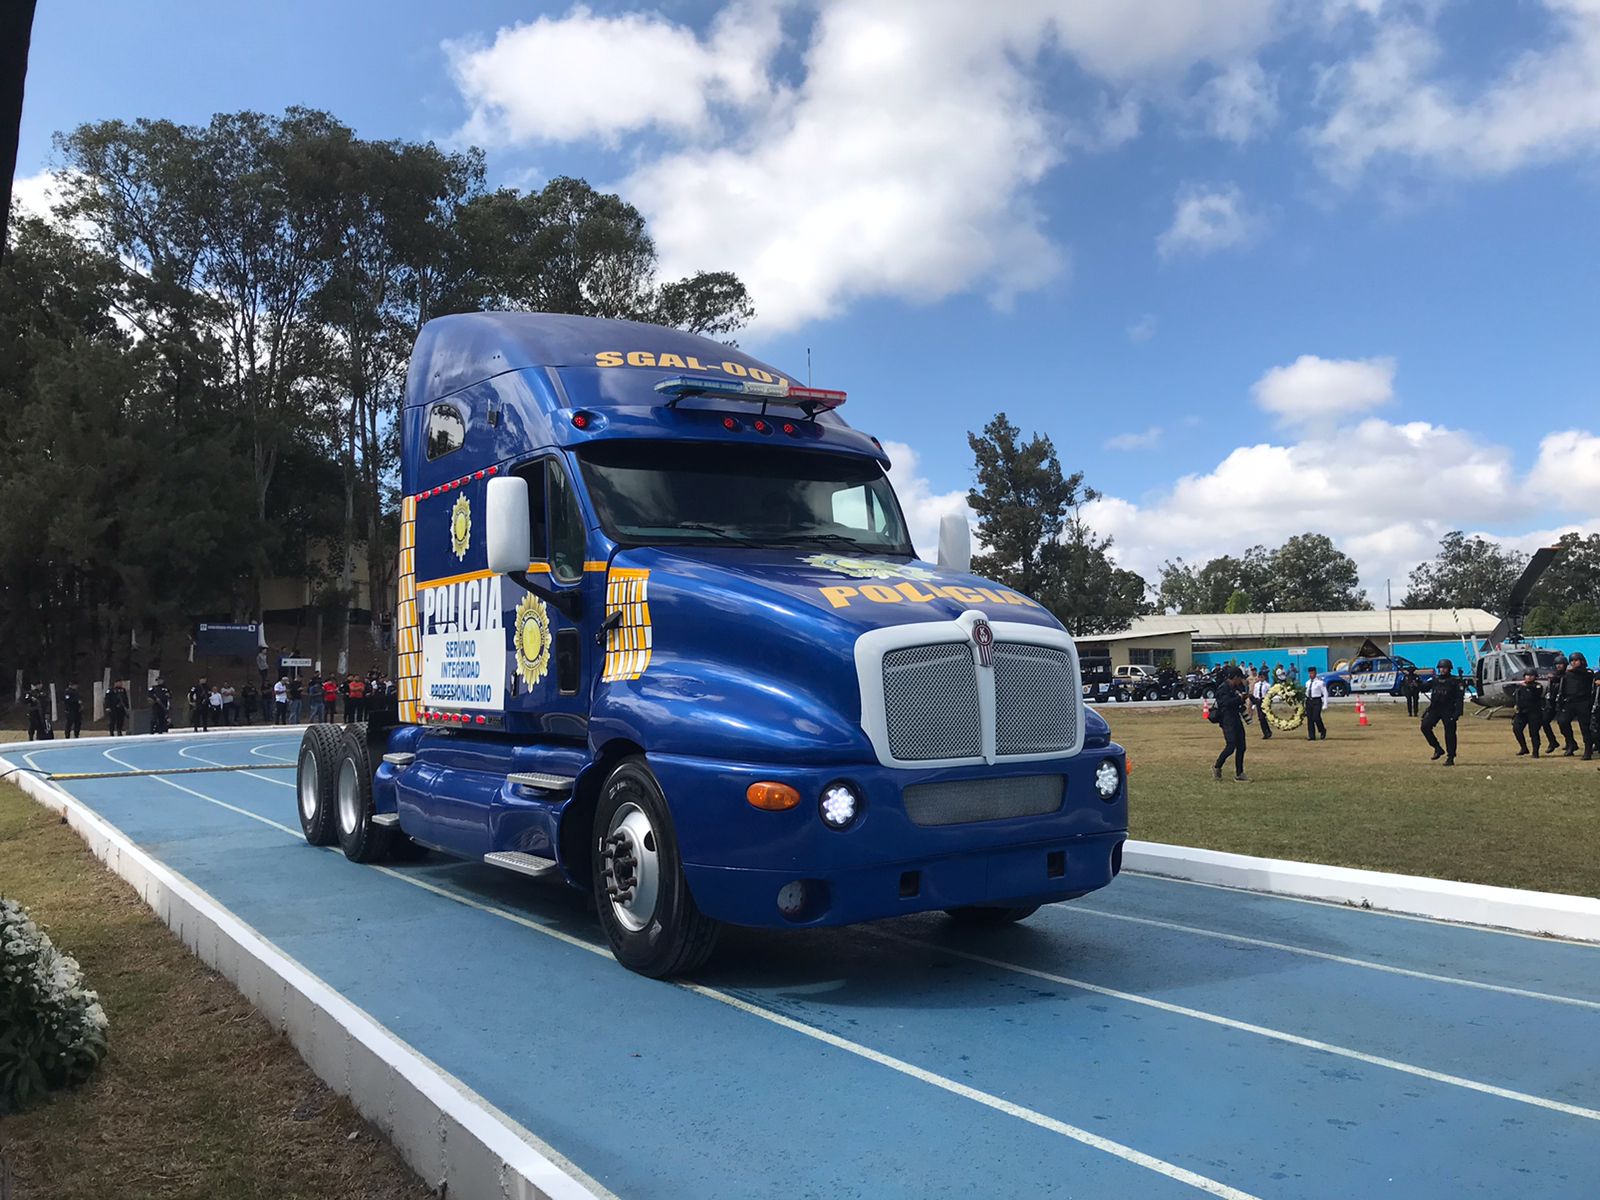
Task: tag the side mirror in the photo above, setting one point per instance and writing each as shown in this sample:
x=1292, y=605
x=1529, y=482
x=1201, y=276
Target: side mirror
x=955, y=543
x=506, y=524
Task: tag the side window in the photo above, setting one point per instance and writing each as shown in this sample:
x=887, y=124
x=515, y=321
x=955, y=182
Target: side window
x=555, y=523
x=447, y=430
x=1360, y=667
x=567, y=542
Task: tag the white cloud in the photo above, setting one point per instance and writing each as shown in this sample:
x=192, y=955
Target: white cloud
x=1238, y=104
x=1138, y=440
x=1206, y=219
x=540, y=80
x=1390, y=103
x=1568, y=469
x=898, y=161
x=1143, y=329
x=1384, y=492
x=924, y=508
x=1325, y=391
x=37, y=194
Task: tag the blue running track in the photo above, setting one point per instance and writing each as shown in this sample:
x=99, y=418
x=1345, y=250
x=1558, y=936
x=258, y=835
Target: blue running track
x=1156, y=1039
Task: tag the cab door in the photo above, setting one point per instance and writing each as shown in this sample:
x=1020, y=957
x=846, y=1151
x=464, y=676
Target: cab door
x=553, y=652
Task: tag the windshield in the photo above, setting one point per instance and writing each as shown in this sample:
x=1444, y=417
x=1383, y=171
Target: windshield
x=648, y=492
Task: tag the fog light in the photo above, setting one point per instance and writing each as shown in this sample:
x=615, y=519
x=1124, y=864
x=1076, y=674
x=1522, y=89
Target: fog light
x=1107, y=779
x=792, y=898
x=839, y=805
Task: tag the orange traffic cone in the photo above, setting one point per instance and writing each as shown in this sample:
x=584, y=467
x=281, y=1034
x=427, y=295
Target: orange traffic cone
x=1205, y=710
x=1361, y=713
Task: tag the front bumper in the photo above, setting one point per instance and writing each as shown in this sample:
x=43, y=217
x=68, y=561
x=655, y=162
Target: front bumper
x=738, y=859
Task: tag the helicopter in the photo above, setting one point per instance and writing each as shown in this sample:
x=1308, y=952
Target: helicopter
x=1498, y=672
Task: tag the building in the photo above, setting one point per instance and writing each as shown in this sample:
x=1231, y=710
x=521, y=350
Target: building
x=1317, y=639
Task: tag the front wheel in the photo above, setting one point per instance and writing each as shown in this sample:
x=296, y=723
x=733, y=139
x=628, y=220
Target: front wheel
x=649, y=916
x=990, y=916
x=1338, y=688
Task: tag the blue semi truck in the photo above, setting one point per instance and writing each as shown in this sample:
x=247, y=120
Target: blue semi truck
x=661, y=631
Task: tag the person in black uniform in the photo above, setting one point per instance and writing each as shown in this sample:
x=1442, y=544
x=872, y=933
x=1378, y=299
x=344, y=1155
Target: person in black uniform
x=1552, y=703
x=1229, y=713
x=160, y=707
x=72, y=702
x=1529, y=712
x=200, y=706
x=117, y=709
x=1411, y=689
x=1445, y=703
x=1577, y=688
x=39, y=727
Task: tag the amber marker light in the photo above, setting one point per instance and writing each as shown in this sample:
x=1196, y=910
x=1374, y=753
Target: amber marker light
x=772, y=797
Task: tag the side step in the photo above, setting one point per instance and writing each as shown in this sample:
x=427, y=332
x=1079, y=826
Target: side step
x=386, y=818
x=523, y=864
x=542, y=781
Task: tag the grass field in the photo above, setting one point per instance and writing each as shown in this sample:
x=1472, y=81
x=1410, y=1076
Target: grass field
x=1370, y=798
x=199, y=1098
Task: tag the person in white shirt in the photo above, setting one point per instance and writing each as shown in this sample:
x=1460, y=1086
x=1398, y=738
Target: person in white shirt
x=1316, y=697
x=1260, y=685
x=280, y=700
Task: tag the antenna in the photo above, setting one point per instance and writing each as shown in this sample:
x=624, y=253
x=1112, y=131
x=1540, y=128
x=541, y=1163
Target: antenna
x=808, y=366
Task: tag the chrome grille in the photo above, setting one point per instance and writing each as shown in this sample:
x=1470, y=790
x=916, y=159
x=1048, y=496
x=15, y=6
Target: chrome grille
x=930, y=700
x=1035, y=700
x=961, y=801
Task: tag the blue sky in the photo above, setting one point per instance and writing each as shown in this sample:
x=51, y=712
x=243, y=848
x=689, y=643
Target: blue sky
x=1257, y=266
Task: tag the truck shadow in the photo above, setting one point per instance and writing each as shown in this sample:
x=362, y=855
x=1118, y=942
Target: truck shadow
x=915, y=961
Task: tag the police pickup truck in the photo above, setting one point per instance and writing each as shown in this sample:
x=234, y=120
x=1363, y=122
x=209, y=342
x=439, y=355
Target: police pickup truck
x=662, y=634
x=1382, y=674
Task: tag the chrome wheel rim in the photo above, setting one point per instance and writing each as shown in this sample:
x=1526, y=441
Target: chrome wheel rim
x=632, y=865
x=349, y=796
x=308, y=785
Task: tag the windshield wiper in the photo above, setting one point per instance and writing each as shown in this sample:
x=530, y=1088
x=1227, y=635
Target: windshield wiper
x=833, y=539
x=721, y=533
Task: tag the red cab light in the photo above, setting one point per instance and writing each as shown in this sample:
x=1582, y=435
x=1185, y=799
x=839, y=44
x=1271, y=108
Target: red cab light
x=580, y=420
x=729, y=423
x=790, y=428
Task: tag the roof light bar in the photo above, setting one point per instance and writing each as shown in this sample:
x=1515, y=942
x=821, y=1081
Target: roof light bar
x=810, y=400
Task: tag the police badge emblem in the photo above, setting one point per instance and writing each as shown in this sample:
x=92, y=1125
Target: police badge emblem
x=460, y=527
x=530, y=638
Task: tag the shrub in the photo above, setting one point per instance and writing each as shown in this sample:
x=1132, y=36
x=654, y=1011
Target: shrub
x=52, y=1028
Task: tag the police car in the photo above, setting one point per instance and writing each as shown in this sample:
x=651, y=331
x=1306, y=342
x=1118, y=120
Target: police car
x=1379, y=673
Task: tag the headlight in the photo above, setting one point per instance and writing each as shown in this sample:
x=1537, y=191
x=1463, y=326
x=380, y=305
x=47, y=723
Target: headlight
x=1107, y=779
x=839, y=805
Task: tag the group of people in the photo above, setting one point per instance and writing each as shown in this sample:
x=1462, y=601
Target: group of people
x=1569, y=701
x=1242, y=698
x=286, y=702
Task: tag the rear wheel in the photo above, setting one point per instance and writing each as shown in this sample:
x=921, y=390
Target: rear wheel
x=990, y=916
x=316, y=783
x=359, y=837
x=649, y=916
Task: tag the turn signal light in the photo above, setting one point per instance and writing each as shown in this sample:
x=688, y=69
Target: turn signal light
x=772, y=797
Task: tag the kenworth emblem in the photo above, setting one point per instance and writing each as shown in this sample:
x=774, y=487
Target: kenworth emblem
x=983, y=636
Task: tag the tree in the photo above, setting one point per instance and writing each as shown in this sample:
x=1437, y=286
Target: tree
x=1310, y=574
x=1465, y=573
x=1036, y=539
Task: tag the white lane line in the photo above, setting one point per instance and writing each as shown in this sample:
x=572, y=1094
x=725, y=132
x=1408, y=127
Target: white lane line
x=1546, y=939
x=243, y=812
x=188, y=752
x=1277, y=1035
x=256, y=750
x=1083, y=1136
x=1367, y=964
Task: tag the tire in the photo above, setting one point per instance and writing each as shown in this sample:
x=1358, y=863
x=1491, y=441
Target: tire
x=361, y=840
x=653, y=924
x=315, y=783
x=1338, y=688
x=1119, y=696
x=1208, y=693
x=990, y=916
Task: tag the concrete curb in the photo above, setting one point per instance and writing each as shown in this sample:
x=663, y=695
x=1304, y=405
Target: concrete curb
x=455, y=1139
x=1545, y=913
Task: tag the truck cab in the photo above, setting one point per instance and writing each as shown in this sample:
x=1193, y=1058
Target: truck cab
x=661, y=631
